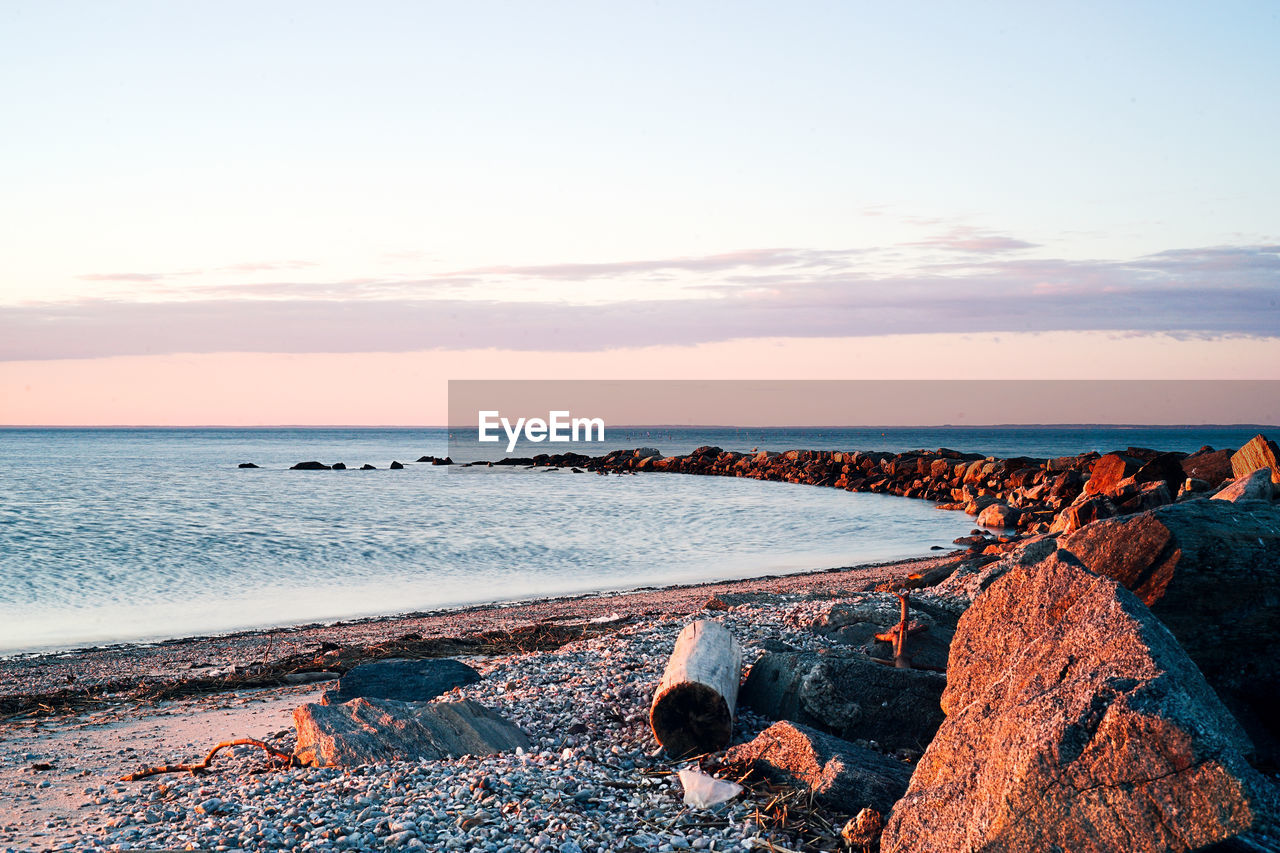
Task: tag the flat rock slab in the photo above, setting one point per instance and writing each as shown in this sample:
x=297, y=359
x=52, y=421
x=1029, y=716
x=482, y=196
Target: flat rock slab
x=401, y=679
x=375, y=731
x=842, y=775
x=1075, y=722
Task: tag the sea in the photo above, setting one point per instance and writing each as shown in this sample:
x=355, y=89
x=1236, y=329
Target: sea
x=117, y=535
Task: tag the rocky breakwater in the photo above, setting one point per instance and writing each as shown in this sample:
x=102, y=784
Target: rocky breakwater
x=1020, y=495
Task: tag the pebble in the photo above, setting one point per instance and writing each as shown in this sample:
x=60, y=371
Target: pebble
x=606, y=786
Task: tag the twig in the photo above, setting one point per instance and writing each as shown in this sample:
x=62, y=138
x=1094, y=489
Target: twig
x=286, y=758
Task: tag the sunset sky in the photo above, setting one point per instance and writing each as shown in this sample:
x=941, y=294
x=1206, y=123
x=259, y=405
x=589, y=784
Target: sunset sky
x=310, y=213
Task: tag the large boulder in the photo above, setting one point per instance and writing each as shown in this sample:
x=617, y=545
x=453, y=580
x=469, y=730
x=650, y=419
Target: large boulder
x=1211, y=571
x=856, y=622
x=1075, y=722
x=1108, y=471
x=375, y=731
x=840, y=774
x=401, y=679
x=1212, y=466
x=999, y=515
x=848, y=695
x=1260, y=452
x=1255, y=486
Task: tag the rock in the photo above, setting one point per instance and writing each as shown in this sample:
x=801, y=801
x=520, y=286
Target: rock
x=444, y=461
x=1259, y=452
x=1255, y=486
x=367, y=467
x=970, y=579
x=848, y=695
x=1210, y=570
x=401, y=679
x=376, y=731
x=1108, y=471
x=246, y=465
x=1212, y=466
x=857, y=621
x=426, y=459
x=1163, y=468
x=310, y=466
x=842, y=775
x=339, y=466
x=396, y=466
x=1075, y=722
x=863, y=831
x=999, y=515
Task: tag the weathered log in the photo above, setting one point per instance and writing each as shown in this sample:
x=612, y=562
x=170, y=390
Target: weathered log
x=693, y=708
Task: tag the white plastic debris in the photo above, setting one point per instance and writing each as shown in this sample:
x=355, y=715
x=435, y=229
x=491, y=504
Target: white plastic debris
x=702, y=791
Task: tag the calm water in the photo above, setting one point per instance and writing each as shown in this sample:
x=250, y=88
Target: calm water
x=117, y=535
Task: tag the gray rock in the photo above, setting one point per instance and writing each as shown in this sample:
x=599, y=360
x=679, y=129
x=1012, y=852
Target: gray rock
x=401, y=679
x=848, y=695
x=1076, y=722
x=842, y=775
x=373, y=731
x=1254, y=486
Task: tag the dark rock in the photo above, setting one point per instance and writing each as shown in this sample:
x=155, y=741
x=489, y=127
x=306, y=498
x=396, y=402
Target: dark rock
x=367, y=467
x=426, y=459
x=1212, y=466
x=246, y=465
x=1075, y=722
x=376, y=731
x=840, y=774
x=339, y=466
x=448, y=461
x=848, y=695
x=401, y=679
x=310, y=466
x=1210, y=570
x=396, y=466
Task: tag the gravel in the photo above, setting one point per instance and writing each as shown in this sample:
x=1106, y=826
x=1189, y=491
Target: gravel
x=595, y=779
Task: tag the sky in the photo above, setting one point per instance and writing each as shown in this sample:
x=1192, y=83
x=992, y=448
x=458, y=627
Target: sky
x=310, y=213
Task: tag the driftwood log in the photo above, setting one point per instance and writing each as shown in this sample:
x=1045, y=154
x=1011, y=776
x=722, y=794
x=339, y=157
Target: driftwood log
x=692, y=711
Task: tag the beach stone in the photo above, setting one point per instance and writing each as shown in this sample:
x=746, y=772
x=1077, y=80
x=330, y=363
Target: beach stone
x=396, y=466
x=1255, y=486
x=246, y=465
x=375, y=731
x=1259, y=452
x=848, y=695
x=1210, y=570
x=367, y=467
x=1076, y=722
x=840, y=774
x=401, y=679
x=310, y=466
x=999, y=515
x=339, y=466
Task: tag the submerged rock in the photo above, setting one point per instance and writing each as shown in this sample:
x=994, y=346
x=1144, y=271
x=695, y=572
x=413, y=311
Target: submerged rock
x=310, y=466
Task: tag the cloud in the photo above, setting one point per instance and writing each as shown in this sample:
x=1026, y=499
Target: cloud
x=963, y=238
x=750, y=258
x=1213, y=291
x=125, y=276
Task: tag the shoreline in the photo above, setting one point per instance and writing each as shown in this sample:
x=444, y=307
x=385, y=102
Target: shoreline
x=93, y=672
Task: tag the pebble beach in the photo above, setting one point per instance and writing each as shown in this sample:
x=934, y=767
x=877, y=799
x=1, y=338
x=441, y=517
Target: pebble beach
x=594, y=779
